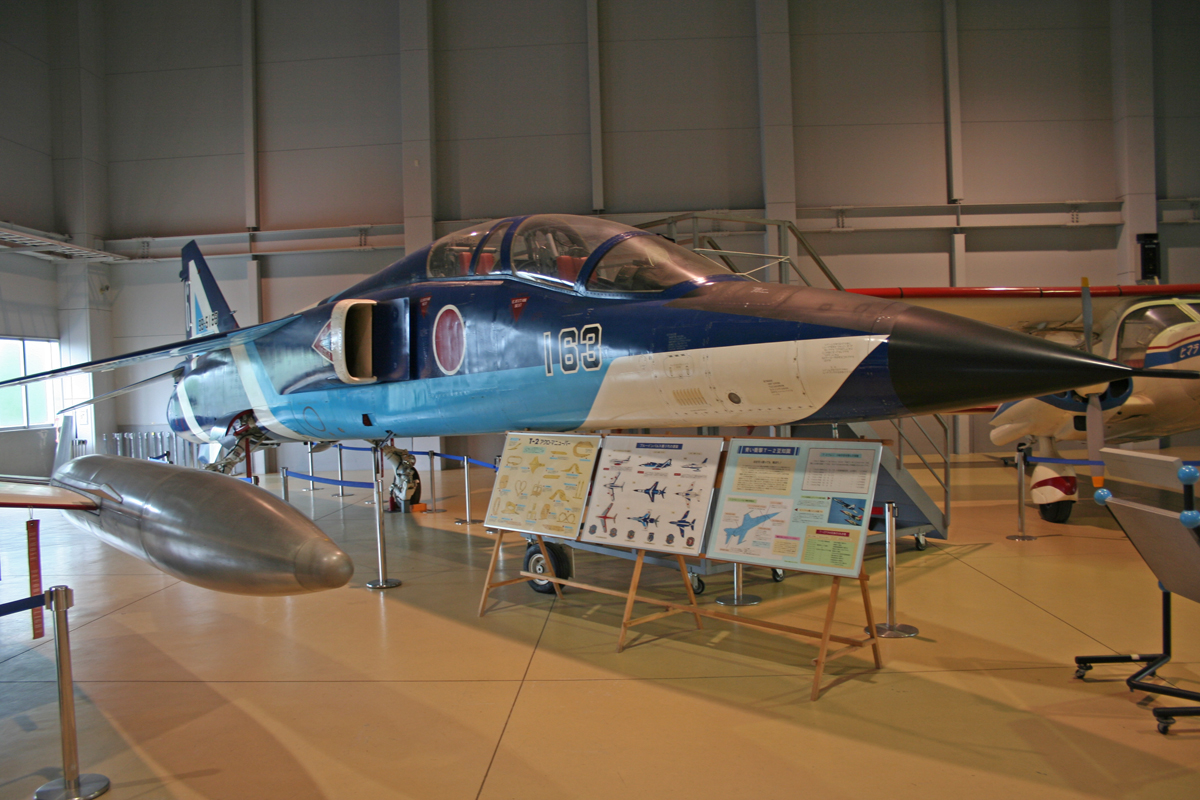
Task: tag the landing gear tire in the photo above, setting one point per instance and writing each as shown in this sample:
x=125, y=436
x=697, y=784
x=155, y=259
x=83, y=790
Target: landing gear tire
x=697, y=584
x=1082, y=670
x=1165, y=724
x=535, y=562
x=1058, y=512
x=777, y=575
x=921, y=542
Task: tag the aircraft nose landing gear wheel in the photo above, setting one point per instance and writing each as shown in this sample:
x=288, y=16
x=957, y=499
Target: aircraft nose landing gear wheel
x=777, y=575
x=1165, y=723
x=536, y=563
x=1058, y=512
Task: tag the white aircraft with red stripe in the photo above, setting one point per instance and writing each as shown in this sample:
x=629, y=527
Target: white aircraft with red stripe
x=1142, y=326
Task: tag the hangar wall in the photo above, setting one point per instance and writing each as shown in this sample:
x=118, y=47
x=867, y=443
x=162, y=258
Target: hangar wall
x=129, y=120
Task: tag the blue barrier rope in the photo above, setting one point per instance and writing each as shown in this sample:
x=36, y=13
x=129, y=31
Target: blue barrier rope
x=356, y=484
x=37, y=601
x=1077, y=461
x=478, y=463
x=426, y=453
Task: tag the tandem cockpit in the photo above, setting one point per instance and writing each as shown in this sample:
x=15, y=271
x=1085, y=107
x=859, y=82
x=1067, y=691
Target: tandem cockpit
x=573, y=253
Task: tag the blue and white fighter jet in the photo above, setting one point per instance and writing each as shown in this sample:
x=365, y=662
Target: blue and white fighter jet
x=559, y=323
x=553, y=322
x=652, y=491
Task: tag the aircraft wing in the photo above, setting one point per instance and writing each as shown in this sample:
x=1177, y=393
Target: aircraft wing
x=1026, y=308
x=19, y=494
x=191, y=347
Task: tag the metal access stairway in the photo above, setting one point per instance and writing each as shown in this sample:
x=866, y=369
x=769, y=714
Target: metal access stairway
x=918, y=514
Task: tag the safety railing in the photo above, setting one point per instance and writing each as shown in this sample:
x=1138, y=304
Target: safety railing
x=785, y=232
x=942, y=450
x=383, y=581
x=431, y=504
x=151, y=446
x=72, y=785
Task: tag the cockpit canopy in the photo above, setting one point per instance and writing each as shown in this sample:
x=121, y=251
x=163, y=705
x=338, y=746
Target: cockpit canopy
x=569, y=251
x=1139, y=327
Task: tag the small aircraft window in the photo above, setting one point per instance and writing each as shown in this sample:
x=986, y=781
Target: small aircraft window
x=650, y=264
x=451, y=255
x=1141, y=326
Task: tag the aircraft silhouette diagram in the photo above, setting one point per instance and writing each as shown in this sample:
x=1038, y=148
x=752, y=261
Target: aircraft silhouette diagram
x=645, y=519
x=652, y=491
x=683, y=523
x=749, y=523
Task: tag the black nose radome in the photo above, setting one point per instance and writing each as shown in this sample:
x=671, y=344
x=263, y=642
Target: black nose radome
x=940, y=362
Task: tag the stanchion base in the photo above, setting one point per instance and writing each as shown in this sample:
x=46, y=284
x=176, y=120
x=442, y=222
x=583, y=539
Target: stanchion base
x=1021, y=537
x=461, y=521
x=343, y=494
x=885, y=631
x=318, y=489
x=434, y=511
x=390, y=583
x=368, y=502
x=90, y=785
x=739, y=600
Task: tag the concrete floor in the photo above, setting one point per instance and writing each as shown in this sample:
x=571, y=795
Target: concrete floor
x=186, y=693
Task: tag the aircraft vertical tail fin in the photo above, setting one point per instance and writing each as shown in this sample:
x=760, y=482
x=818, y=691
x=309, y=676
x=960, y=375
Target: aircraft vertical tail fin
x=207, y=310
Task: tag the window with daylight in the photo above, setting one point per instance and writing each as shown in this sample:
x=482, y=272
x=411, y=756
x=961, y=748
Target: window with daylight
x=23, y=406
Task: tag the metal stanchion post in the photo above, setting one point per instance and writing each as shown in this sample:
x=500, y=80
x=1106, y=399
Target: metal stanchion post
x=1020, y=535
x=283, y=473
x=889, y=629
x=737, y=598
x=384, y=582
x=312, y=487
x=467, y=494
x=341, y=489
x=72, y=785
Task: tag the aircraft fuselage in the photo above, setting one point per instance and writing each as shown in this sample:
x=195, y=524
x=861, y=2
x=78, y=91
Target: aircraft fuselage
x=413, y=351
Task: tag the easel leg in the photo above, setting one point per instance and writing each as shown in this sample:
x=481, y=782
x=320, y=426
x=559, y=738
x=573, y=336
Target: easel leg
x=863, y=579
x=633, y=585
x=491, y=571
x=687, y=582
x=549, y=565
x=825, y=632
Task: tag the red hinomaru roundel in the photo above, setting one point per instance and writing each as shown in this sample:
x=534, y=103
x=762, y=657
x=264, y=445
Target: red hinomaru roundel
x=449, y=340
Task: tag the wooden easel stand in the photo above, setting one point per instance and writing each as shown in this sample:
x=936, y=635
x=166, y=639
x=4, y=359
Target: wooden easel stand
x=825, y=635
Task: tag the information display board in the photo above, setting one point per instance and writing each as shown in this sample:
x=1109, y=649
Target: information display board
x=653, y=493
x=542, y=483
x=796, y=504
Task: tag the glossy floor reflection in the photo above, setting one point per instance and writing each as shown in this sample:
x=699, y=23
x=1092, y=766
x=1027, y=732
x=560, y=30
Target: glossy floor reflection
x=185, y=693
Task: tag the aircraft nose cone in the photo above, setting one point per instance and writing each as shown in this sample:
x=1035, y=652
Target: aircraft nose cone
x=321, y=564
x=940, y=362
